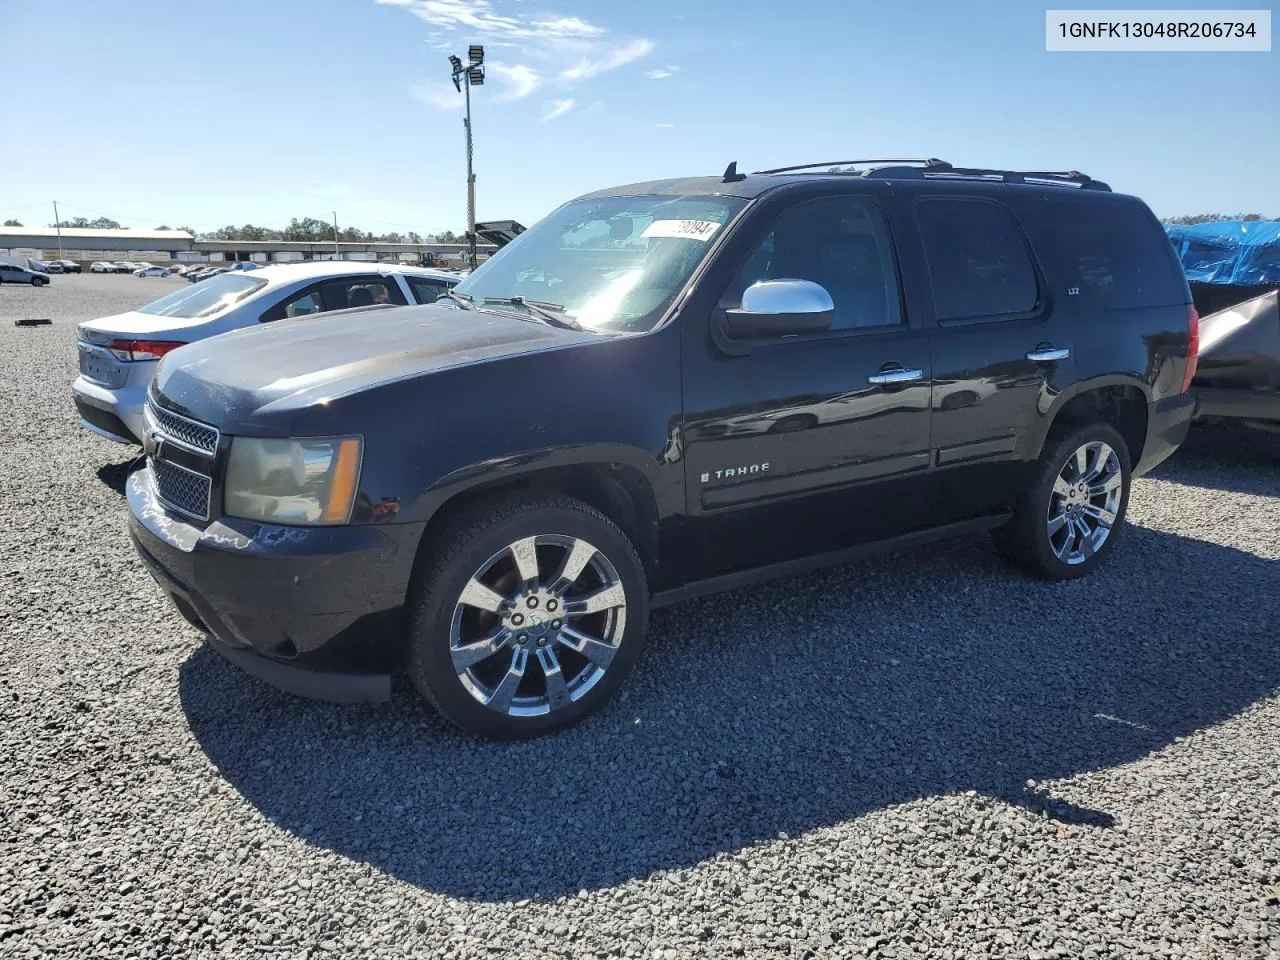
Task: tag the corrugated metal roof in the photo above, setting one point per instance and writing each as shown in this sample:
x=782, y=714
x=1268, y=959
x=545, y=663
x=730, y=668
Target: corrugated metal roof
x=85, y=233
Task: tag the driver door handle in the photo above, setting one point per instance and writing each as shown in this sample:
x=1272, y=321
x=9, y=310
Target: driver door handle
x=1048, y=354
x=895, y=375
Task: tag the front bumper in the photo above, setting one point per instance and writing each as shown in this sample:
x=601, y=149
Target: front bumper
x=315, y=611
x=1168, y=421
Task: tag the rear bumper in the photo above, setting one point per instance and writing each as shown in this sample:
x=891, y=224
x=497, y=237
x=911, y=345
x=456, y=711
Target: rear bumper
x=108, y=409
x=1168, y=421
x=1241, y=403
x=313, y=611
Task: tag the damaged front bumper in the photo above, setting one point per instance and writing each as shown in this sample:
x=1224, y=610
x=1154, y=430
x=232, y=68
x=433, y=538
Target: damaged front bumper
x=316, y=611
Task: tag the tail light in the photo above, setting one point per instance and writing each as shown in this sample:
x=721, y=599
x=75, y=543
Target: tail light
x=142, y=349
x=1193, y=346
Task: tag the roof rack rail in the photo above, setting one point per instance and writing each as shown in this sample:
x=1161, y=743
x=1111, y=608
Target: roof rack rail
x=1063, y=177
x=929, y=162
x=921, y=168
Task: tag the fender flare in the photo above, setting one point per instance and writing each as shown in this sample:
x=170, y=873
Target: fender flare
x=1060, y=400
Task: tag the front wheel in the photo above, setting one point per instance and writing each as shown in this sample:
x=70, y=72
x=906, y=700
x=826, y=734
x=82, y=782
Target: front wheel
x=529, y=615
x=1073, y=511
x=38, y=282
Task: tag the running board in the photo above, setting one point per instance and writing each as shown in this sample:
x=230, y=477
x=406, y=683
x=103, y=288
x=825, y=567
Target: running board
x=790, y=568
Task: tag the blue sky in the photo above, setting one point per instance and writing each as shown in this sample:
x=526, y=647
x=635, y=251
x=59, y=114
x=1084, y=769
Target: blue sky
x=152, y=112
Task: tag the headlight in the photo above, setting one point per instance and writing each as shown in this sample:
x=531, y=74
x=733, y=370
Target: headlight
x=310, y=481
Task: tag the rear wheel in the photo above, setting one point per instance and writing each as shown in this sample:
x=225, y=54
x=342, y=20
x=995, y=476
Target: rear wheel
x=1073, y=511
x=529, y=616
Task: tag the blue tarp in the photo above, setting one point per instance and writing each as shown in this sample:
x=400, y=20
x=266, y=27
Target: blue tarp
x=1229, y=251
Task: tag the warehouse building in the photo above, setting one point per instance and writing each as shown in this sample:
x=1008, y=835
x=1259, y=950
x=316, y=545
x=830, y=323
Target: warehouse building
x=160, y=246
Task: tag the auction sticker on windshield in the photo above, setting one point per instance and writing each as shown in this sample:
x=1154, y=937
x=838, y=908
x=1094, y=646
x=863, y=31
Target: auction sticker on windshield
x=685, y=229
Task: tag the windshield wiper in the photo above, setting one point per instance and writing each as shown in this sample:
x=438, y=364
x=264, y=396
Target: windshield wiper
x=462, y=299
x=540, y=309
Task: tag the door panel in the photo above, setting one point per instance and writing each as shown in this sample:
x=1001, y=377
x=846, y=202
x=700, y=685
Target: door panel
x=992, y=309
x=790, y=448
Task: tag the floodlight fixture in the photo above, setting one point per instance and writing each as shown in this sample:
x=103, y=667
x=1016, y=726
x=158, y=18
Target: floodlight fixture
x=475, y=76
x=476, y=53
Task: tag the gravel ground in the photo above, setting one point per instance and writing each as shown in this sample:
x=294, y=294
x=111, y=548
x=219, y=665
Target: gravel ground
x=919, y=756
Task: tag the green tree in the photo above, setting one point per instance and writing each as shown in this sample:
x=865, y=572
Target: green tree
x=1194, y=218
x=80, y=223
x=12, y=223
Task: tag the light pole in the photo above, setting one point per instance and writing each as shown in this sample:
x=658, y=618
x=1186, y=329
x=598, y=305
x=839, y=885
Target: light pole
x=466, y=76
x=337, y=254
x=58, y=225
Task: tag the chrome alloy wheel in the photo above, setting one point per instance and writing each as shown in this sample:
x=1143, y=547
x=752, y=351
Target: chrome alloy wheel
x=537, y=625
x=1085, y=502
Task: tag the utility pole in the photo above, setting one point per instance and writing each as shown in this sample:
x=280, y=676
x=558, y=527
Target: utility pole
x=336, y=254
x=57, y=225
x=469, y=75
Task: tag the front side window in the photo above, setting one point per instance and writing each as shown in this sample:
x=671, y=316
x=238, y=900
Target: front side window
x=614, y=263
x=979, y=264
x=842, y=244
x=205, y=298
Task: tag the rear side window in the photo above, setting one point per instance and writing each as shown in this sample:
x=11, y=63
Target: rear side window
x=427, y=289
x=979, y=264
x=1122, y=256
x=337, y=294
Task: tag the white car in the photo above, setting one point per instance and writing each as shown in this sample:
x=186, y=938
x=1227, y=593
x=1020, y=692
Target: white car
x=151, y=272
x=99, y=267
x=118, y=354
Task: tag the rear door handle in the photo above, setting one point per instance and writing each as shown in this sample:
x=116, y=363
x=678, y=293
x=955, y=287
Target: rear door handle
x=895, y=375
x=1048, y=354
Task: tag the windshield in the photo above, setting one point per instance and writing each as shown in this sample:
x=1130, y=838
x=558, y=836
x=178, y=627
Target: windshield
x=609, y=264
x=206, y=297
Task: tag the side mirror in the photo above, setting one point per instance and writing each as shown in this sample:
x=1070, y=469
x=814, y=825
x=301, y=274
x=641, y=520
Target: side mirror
x=777, y=308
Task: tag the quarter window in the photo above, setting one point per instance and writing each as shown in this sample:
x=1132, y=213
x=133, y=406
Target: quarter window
x=1121, y=254
x=840, y=243
x=979, y=264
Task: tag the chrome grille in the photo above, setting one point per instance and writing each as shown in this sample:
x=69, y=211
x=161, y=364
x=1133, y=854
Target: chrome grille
x=184, y=490
x=179, y=429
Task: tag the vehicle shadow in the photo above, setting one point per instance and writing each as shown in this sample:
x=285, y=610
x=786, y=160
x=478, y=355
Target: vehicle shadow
x=1226, y=456
x=789, y=707
x=116, y=475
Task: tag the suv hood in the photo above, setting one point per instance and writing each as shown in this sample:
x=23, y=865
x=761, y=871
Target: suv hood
x=284, y=367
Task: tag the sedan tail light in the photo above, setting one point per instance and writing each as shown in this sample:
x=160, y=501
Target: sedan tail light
x=1193, y=346
x=142, y=349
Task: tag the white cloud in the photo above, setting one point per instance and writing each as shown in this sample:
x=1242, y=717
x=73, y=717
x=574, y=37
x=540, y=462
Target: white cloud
x=555, y=108
x=663, y=72
x=589, y=67
x=518, y=80
x=439, y=94
x=480, y=16
x=664, y=126
x=538, y=46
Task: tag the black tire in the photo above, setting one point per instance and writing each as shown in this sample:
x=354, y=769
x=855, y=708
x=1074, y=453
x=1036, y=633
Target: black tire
x=38, y=282
x=1025, y=542
x=458, y=551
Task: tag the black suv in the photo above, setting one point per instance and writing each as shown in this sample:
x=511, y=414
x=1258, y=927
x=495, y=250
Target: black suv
x=659, y=391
